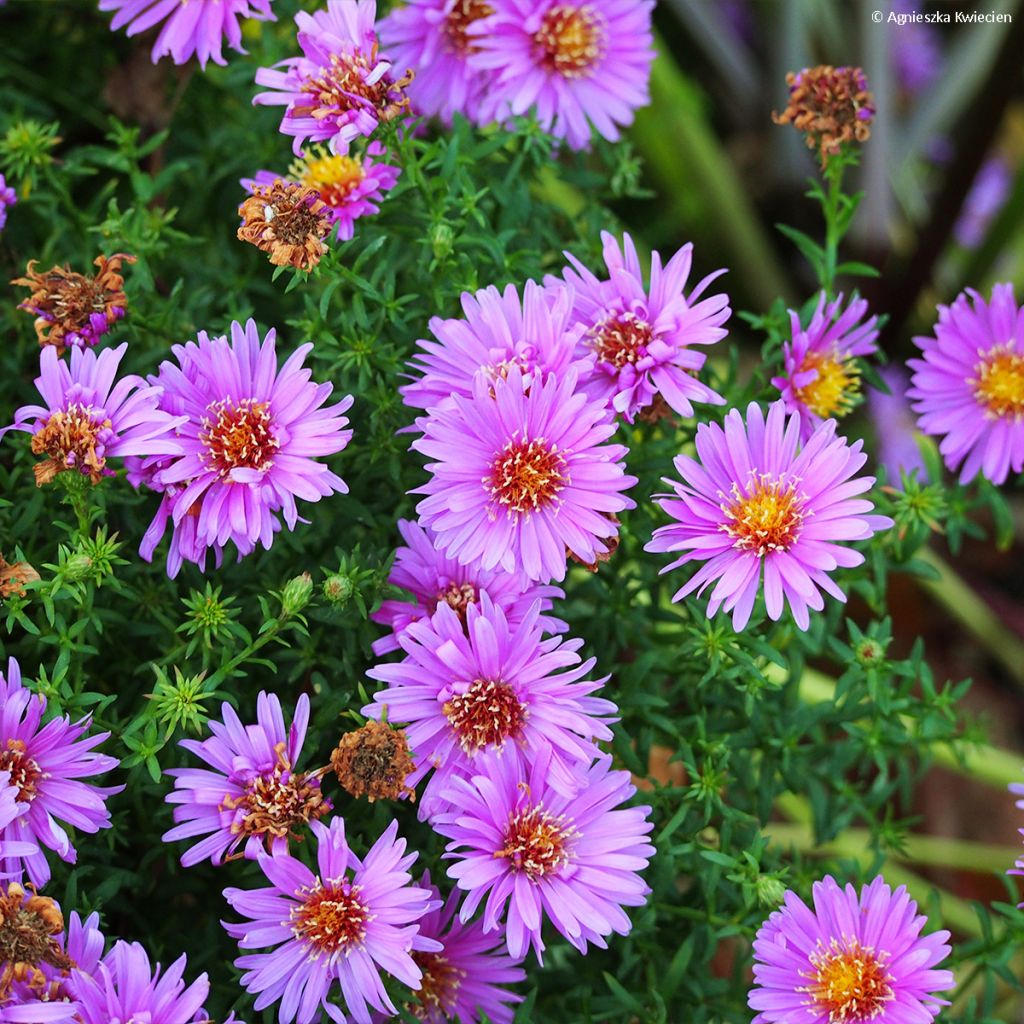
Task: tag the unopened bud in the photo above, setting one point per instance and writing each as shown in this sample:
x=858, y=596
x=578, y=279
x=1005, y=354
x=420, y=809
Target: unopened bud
x=296, y=594
x=338, y=589
x=77, y=567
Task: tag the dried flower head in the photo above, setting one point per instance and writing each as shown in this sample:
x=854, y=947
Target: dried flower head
x=831, y=106
x=14, y=576
x=72, y=310
x=374, y=762
x=28, y=926
x=287, y=220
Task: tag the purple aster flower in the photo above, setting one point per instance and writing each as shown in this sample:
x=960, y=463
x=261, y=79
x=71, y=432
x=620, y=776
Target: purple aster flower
x=754, y=499
x=250, y=434
x=523, y=477
x=896, y=427
x=89, y=418
x=253, y=797
x=434, y=579
x=46, y=762
x=578, y=63
x=571, y=859
x=340, y=88
x=351, y=186
x=852, y=958
x=469, y=689
x=642, y=338
x=537, y=334
x=988, y=194
x=433, y=38
x=191, y=27
x=12, y=851
x=341, y=926
x=821, y=379
x=8, y=197
x=969, y=387
x=467, y=979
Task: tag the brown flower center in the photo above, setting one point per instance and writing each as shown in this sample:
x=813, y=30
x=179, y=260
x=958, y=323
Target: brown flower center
x=343, y=85
x=571, y=39
x=849, y=982
x=289, y=221
x=999, y=382
x=527, y=475
x=70, y=439
x=28, y=924
x=833, y=391
x=331, y=919
x=374, y=761
x=25, y=771
x=621, y=339
x=459, y=18
x=239, y=436
x=766, y=519
x=537, y=842
x=486, y=715
x=458, y=597
x=439, y=987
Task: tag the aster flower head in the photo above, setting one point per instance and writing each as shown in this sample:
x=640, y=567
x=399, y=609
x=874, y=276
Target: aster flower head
x=341, y=87
x=339, y=927
x=8, y=197
x=755, y=502
x=251, y=797
x=47, y=763
x=14, y=576
x=583, y=65
x=821, y=379
x=432, y=579
x=969, y=386
x=250, y=434
x=523, y=476
x=287, y=220
x=542, y=854
x=854, y=957
x=196, y=28
x=350, y=186
x=641, y=337
x=71, y=309
x=490, y=689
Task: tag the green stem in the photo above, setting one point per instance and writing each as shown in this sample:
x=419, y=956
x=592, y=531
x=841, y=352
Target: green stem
x=260, y=642
x=833, y=232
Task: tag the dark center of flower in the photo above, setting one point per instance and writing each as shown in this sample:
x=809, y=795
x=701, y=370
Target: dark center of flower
x=458, y=597
x=999, y=382
x=849, y=982
x=71, y=439
x=571, y=39
x=833, y=391
x=344, y=85
x=459, y=18
x=332, y=175
x=374, y=761
x=439, y=987
x=239, y=436
x=28, y=924
x=767, y=518
x=486, y=715
x=331, y=919
x=621, y=339
x=527, y=475
x=537, y=842
x=25, y=771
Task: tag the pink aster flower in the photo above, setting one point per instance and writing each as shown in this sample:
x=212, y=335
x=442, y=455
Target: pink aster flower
x=88, y=417
x=253, y=797
x=46, y=762
x=8, y=197
x=351, y=185
x=466, y=691
x=754, y=500
x=250, y=433
x=523, y=477
x=969, y=387
x=191, y=27
x=642, y=338
x=570, y=859
x=578, y=63
x=434, y=579
x=337, y=928
x=821, y=379
x=852, y=958
x=537, y=334
x=433, y=38
x=341, y=87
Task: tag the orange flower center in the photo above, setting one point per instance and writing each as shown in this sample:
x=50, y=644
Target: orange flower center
x=571, y=39
x=458, y=597
x=486, y=715
x=766, y=519
x=849, y=982
x=537, y=842
x=833, y=391
x=621, y=339
x=70, y=438
x=999, y=382
x=439, y=987
x=331, y=919
x=25, y=771
x=459, y=18
x=527, y=475
x=343, y=86
x=238, y=436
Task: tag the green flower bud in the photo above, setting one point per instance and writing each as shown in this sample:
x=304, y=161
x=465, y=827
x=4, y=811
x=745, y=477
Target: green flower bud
x=296, y=594
x=770, y=890
x=338, y=589
x=442, y=240
x=78, y=566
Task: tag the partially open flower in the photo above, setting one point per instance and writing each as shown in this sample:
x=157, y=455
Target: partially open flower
x=287, y=220
x=374, y=762
x=72, y=310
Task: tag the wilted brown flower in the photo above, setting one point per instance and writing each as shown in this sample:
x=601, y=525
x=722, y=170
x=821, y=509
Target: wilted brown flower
x=287, y=220
x=374, y=762
x=73, y=310
x=71, y=439
x=14, y=576
x=28, y=924
x=611, y=544
x=831, y=106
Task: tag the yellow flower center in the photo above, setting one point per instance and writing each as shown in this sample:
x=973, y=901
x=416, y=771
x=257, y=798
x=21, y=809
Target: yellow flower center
x=766, y=519
x=527, y=475
x=331, y=919
x=333, y=176
x=849, y=982
x=459, y=18
x=999, y=382
x=486, y=715
x=537, y=842
x=571, y=39
x=832, y=392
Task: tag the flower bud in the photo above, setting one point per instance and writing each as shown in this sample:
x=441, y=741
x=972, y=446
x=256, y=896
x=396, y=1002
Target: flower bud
x=296, y=594
x=338, y=589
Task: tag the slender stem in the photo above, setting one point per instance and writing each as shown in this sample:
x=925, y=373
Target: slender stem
x=833, y=232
